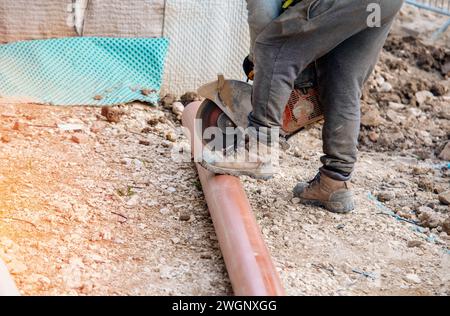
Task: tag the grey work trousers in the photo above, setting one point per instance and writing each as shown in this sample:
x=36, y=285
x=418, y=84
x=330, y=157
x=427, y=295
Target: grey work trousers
x=335, y=34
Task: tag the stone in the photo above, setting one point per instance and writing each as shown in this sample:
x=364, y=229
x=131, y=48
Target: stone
x=144, y=142
x=415, y=244
x=296, y=200
x=170, y=136
x=371, y=118
x=446, y=226
x=386, y=196
x=189, y=97
x=428, y=218
x=396, y=106
x=184, y=217
x=168, y=100
x=422, y=96
x=18, y=126
x=5, y=139
x=444, y=198
x=79, y=138
x=416, y=112
x=412, y=278
x=438, y=89
x=385, y=87
x=373, y=137
x=112, y=115
x=393, y=116
x=445, y=153
x=171, y=190
x=177, y=108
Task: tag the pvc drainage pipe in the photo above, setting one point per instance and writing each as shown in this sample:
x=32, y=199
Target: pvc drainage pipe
x=247, y=259
x=7, y=285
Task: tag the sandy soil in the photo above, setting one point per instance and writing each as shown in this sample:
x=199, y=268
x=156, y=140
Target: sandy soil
x=101, y=208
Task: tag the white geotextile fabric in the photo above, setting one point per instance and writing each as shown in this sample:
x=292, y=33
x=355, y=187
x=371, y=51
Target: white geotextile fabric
x=207, y=37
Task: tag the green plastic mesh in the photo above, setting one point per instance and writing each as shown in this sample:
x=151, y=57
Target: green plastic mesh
x=83, y=71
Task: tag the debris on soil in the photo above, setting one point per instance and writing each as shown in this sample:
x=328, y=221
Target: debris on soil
x=118, y=216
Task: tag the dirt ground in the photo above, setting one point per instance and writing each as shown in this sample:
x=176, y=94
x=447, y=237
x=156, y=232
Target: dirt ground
x=98, y=207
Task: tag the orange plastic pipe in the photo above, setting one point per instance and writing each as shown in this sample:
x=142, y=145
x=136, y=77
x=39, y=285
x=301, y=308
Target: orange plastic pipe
x=247, y=259
x=7, y=286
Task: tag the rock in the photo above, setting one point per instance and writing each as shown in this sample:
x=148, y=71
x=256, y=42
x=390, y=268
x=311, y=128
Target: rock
x=79, y=138
x=389, y=140
x=393, y=116
x=428, y=218
x=98, y=97
x=296, y=200
x=415, y=244
x=371, y=118
x=171, y=190
x=177, y=108
x=396, y=106
x=446, y=226
x=445, y=153
x=416, y=112
x=189, y=97
x=438, y=89
x=168, y=100
x=144, y=142
x=412, y=278
x=170, y=136
x=18, y=126
x=380, y=80
x=386, y=196
x=112, y=115
x=373, y=137
x=175, y=240
x=184, y=217
x=5, y=139
x=385, y=87
x=422, y=96
x=444, y=198
x=153, y=121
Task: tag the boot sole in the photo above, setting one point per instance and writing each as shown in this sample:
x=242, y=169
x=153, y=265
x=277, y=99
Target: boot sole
x=235, y=173
x=334, y=207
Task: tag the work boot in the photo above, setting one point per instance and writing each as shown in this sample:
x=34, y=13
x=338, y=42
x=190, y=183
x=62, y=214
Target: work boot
x=258, y=161
x=336, y=196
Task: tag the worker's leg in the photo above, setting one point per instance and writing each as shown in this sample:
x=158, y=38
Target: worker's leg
x=299, y=36
x=260, y=14
x=342, y=74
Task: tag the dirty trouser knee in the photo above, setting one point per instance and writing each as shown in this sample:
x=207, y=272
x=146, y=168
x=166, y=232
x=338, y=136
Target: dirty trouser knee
x=306, y=32
x=341, y=76
x=260, y=14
